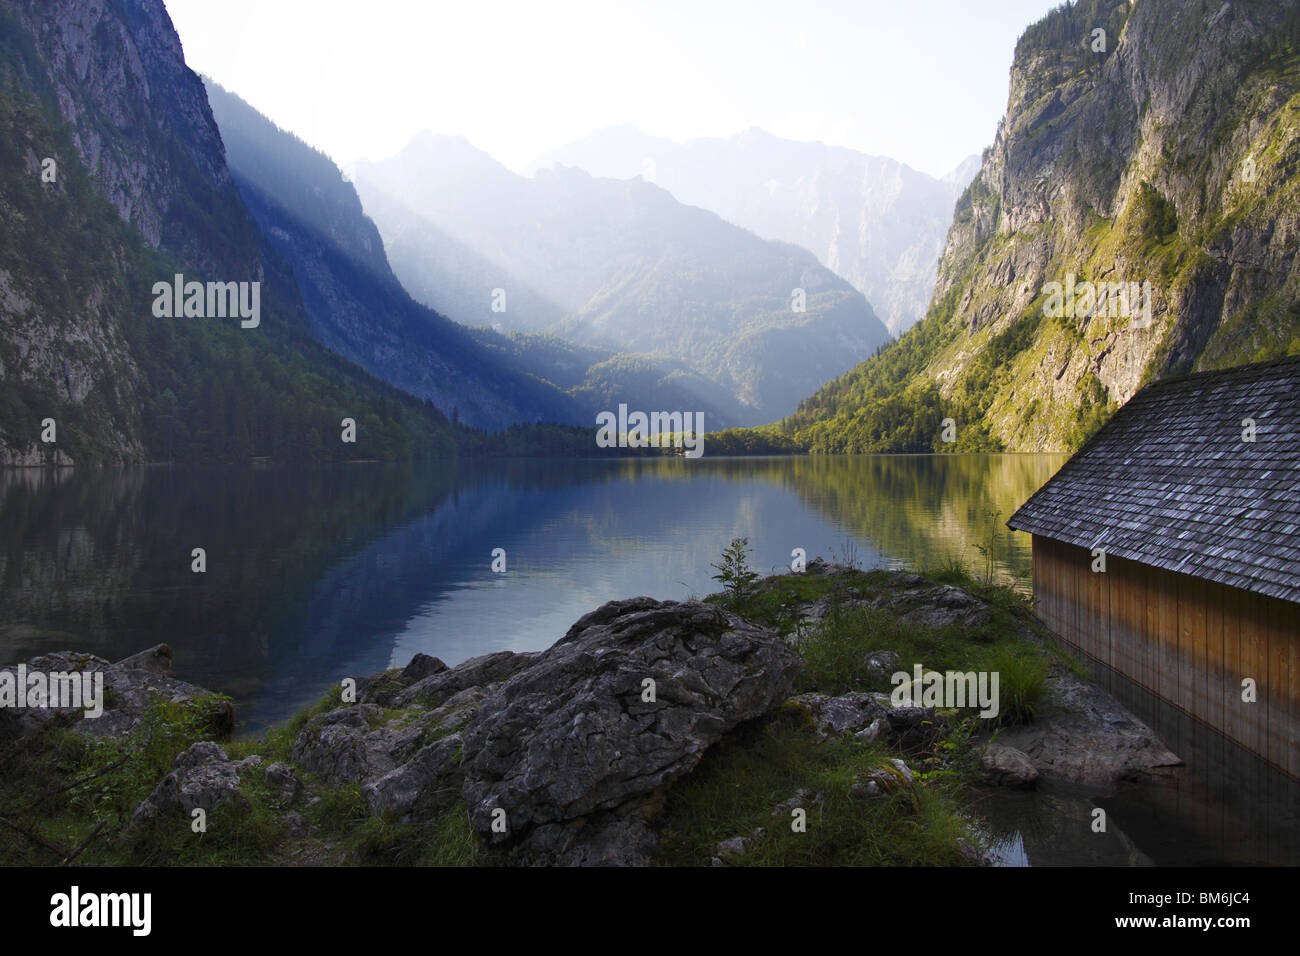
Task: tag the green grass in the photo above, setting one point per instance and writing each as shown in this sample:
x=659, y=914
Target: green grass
x=109, y=777
x=447, y=840
x=951, y=570
x=762, y=764
x=748, y=774
x=1022, y=690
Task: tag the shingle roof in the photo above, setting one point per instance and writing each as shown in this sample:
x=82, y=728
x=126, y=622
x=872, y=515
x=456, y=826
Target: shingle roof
x=1169, y=482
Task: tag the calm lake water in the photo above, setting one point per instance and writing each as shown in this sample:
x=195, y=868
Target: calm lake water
x=322, y=573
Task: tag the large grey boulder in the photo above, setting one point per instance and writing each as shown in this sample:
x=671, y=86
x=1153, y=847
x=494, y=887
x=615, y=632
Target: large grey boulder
x=349, y=744
x=440, y=686
x=574, y=734
x=426, y=784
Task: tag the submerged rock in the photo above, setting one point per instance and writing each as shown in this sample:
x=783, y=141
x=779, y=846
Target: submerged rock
x=1085, y=736
x=1008, y=767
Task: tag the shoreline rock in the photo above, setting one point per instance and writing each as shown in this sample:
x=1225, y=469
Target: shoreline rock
x=129, y=687
x=565, y=756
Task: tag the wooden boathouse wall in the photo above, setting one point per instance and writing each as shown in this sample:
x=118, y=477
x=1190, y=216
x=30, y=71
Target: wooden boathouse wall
x=1187, y=640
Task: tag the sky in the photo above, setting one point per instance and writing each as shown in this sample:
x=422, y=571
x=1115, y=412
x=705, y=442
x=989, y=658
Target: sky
x=921, y=81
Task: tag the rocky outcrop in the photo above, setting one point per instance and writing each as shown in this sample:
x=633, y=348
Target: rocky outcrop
x=872, y=717
x=566, y=756
x=1082, y=734
x=562, y=755
x=910, y=597
x=622, y=705
x=130, y=687
x=205, y=778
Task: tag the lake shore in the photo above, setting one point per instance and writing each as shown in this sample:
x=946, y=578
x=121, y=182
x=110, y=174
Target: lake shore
x=758, y=726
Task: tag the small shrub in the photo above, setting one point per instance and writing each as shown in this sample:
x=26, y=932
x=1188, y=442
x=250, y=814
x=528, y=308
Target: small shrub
x=734, y=572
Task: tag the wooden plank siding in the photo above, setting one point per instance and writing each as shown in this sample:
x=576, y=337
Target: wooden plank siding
x=1188, y=640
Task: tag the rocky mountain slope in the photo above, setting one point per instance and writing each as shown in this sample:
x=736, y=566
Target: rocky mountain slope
x=113, y=177
x=615, y=265
x=869, y=219
x=1155, y=146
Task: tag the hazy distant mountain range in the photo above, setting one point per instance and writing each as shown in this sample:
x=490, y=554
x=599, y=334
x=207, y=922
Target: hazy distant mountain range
x=620, y=266
x=313, y=218
x=871, y=220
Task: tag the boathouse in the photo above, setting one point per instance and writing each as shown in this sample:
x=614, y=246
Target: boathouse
x=1168, y=549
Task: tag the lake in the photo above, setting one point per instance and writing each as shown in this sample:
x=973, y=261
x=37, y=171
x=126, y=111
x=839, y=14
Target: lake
x=318, y=574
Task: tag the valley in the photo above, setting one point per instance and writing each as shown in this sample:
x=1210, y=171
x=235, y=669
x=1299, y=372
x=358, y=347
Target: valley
x=554, y=455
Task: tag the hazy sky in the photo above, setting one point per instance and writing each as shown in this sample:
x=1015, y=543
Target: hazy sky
x=922, y=81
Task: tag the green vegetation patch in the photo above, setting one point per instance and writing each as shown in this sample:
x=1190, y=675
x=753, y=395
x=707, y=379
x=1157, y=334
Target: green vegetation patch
x=745, y=780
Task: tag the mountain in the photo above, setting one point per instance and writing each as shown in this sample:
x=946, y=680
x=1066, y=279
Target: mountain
x=600, y=379
x=872, y=220
x=113, y=179
x=1137, y=216
x=619, y=266
x=964, y=173
x=313, y=218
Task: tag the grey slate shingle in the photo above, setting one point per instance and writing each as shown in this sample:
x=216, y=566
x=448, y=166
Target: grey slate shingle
x=1169, y=476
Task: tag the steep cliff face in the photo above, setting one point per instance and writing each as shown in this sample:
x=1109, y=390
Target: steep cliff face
x=140, y=121
x=68, y=379
x=1136, y=216
x=136, y=189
